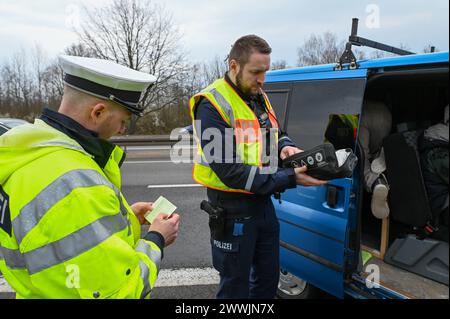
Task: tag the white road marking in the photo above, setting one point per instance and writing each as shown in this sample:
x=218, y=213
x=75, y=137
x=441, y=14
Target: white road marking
x=160, y=148
x=174, y=186
x=4, y=287
x=148, y=162
x=177, y=162
x=187, y=277
x=166, y=278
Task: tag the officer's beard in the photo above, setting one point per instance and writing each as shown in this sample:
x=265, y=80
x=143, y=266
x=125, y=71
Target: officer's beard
x=244, y=89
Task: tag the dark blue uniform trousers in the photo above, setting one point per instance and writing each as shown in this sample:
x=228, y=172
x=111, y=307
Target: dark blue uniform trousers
x=247, y=257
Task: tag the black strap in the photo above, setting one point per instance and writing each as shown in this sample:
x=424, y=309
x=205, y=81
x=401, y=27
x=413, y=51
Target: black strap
x=131, y=97
x=127, y=99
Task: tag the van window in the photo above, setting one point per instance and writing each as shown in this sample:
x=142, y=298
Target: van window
x=278, y=94
x=324, y=111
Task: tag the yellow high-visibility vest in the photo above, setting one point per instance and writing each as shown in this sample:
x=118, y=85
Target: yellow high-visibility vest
x=67, y=231
x=246, y=128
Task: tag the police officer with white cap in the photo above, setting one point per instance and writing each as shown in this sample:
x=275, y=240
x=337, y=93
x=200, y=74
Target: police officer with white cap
x=66, y=230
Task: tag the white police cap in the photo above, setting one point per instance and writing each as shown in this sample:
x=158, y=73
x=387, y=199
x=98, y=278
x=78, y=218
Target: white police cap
x=106, y=79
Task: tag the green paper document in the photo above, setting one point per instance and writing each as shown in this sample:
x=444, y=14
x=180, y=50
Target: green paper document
x=162, y=205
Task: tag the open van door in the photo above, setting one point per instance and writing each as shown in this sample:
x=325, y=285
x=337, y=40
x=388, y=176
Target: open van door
x=318, y=225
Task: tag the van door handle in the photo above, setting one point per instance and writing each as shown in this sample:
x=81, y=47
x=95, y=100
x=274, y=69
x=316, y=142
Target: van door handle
x=332, y=196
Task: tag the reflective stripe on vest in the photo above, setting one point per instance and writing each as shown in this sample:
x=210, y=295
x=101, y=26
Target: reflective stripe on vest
x=247, y=132
x=145, y=273
x=30, y=215
x=66, y=248
x=154, y=256
x=74, y=244
x=13, y=258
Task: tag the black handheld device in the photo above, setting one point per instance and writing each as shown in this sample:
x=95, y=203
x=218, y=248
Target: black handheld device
x=322, y=162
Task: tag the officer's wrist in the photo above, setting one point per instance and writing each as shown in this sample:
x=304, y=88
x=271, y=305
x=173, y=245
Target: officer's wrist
x=286, y=143
x=156, y=238
x=292, y=178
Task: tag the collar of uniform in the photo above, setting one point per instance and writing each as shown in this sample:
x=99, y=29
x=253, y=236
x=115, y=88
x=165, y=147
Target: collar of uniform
x=89, y=140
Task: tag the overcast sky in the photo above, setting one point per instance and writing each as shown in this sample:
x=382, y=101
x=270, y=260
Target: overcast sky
x=210, y=27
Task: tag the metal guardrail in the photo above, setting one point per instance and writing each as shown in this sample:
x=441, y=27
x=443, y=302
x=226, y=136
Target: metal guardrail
x=144, y=140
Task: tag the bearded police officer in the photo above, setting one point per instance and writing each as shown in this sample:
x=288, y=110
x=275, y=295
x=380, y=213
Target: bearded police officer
x=243, y=224
x=66, y=231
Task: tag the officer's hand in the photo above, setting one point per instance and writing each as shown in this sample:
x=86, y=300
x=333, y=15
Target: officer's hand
x=140, y=208
x=288, y=151
x=306, y=180
x=167, y=227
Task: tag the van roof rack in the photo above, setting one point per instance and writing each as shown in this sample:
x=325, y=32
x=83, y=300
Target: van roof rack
x=354, y=39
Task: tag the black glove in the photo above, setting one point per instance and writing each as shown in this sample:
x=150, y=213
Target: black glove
x=323, y=162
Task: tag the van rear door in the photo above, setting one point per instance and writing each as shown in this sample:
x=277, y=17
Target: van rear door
x=318, y=224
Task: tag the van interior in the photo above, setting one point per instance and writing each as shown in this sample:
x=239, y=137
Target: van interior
x=410, y=259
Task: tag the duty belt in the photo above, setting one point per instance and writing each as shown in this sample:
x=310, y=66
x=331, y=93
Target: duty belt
x=216, y=212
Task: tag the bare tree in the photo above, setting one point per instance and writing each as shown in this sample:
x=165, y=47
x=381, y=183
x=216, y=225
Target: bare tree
x=29, y=81
x=195, y=81
x=142, y=36
x=377, y=54
x=279, y=65
x=38, y=65
x=320, y=50
x=54, y=83
x=213, y=70
x=323, y=49
x=202, y=74
x=21, y=79
x=19, y=85
x=79, y=49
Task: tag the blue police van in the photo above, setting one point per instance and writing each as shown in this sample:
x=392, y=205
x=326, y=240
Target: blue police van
x=330, y=241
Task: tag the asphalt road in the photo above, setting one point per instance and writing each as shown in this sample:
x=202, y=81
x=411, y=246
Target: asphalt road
x=186, y=268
